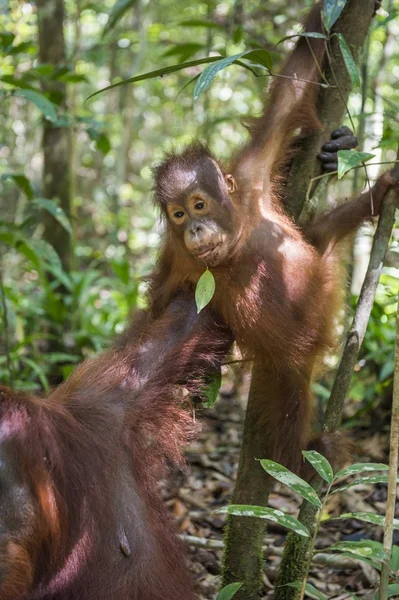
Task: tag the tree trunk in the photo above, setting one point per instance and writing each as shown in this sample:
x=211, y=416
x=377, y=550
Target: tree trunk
x=56, y=139
x=244, y=536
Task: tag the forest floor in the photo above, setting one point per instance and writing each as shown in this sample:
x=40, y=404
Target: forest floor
x=207, y=484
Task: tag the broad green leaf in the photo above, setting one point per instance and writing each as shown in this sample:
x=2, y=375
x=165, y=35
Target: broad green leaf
x=331, y=11
x=211, y=391
x=372, y=480
x=117, y=12
x=366, y=517
x=349, y=61
x=367, y=548
x=347, y=159
x=270, y=514
x=229, y=591
x=320, y=464
x=158, y=73
x=48, y=108
x=294, y=482
x=361, y=468
x=310, y=590
x=205, y=290
x=56, y=211
x=21, y=182
x=260, y=57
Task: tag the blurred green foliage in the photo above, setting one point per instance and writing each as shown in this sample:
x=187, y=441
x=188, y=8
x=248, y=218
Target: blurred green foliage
x=117, y=137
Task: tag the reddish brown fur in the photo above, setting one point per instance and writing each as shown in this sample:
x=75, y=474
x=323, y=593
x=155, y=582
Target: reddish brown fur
x=277, y=287
x=81, y=470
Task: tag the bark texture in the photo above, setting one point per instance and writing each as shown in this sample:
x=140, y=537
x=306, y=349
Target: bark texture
x=56, y=138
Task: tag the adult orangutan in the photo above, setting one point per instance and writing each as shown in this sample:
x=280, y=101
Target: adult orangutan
x=277, y=287
x=81, y=517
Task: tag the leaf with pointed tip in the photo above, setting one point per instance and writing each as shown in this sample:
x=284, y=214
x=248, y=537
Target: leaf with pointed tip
x=347, y=159
x=204, y=290
x=294, y=482
x=320, y=464
x=365, y=548
x=48, y=108
x=56, y=211
x=310, y=590
x=21, y=182
x=372, y=480
x=361, y=468
x=270, y=514
x=260, y=57
x=117, y=12
x=331, y=11
x=349, y=61
x=366, y=517
x=229, y=591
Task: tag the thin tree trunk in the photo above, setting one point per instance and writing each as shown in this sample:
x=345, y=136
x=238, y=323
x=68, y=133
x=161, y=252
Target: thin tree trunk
x=56, y=139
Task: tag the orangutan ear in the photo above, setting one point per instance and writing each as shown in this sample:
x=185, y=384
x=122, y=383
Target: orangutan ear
x=231, y=183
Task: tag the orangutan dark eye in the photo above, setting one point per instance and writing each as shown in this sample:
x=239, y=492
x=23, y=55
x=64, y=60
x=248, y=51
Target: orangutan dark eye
x=179, y=214
x=199, y=205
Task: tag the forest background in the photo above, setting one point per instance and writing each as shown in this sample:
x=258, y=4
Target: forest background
x=78, y=232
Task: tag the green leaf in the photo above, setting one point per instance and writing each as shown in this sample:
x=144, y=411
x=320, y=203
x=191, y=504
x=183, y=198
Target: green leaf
x=347, y=159
x=229, y=591
x=361, y=468
x=363, y=481
x=310, y=590
x=205, y=290
x=22, y=183
x=270, y=514
x=349, y=61
x=56, y=211
x=365, y=548
x=393, y=591
x=211, y=390
x=320, y=464
x=367, y=517
x=294, y=482
x=331, y=11
x=158, y=73
x=48, y=108
x=117, y=12
x=260, y=57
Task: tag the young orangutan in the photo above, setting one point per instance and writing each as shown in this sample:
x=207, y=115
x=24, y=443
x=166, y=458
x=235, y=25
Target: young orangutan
x=276, y=286
x=81, y=516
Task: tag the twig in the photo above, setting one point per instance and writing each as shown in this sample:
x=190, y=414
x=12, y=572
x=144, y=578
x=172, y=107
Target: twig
x=393, y=471
x=363, y=310
x=6, y=330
